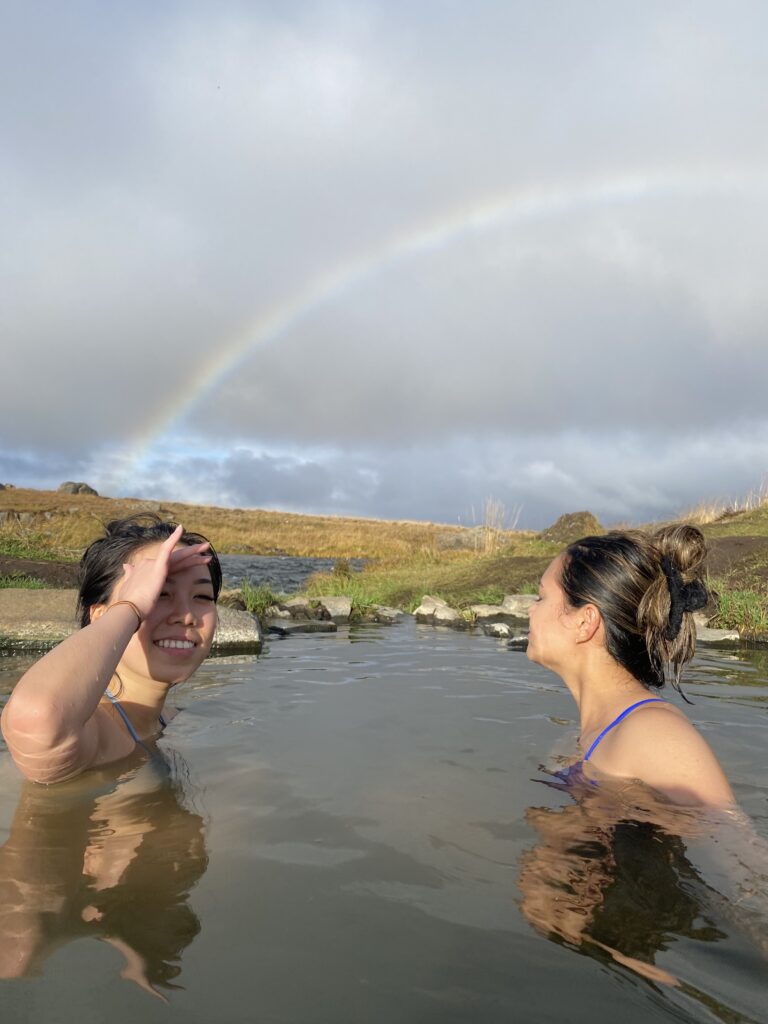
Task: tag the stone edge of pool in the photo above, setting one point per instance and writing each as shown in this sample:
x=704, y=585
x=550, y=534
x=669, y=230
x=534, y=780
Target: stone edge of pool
x=36, y=620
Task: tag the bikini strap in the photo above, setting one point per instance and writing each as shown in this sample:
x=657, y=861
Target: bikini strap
x=126, y=719
x=124, y=716
x=620, y=718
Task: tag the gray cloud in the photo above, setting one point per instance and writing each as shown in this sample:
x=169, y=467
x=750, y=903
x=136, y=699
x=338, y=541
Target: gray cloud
x=172, y=171
x=623, y=478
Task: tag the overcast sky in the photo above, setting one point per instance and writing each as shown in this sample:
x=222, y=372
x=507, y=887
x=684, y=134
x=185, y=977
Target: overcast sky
x=387, y=259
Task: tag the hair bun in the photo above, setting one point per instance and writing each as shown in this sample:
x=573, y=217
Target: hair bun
x=684, y=546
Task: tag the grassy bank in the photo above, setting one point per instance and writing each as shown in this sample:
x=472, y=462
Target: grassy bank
x=408, y=559
x=47, y=524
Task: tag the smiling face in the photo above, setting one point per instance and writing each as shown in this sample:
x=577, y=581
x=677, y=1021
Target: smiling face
x=553, y=622
x=177, y=635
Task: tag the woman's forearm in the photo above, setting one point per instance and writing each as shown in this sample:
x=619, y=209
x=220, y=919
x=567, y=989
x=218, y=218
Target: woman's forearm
x=61, y=691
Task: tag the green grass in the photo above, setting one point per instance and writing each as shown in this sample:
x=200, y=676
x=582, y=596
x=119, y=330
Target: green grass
x=460, y=582
x=19, y=581
x=744, y=610
x=258, y=599
x=28, y=544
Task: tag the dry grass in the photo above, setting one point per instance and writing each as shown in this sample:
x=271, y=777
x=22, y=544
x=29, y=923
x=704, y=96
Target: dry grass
x=718, y=509
x=63, y=524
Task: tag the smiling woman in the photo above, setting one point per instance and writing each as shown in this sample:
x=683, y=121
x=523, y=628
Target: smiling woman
x=147, y=604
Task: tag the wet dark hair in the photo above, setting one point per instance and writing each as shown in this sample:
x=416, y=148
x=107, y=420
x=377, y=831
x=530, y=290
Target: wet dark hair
x=102, y=563
x=645, y=587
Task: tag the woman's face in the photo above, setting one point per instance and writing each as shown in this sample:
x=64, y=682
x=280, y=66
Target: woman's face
x=552, y=621
x=177, y=634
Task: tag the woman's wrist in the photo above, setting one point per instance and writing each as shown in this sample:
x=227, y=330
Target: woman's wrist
x=134, y=609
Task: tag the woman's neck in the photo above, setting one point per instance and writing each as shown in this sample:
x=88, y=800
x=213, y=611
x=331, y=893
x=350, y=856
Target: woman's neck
x=142, y=698
x=602, y=689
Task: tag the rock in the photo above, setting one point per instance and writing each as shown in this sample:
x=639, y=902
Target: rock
x=487, y=613
x=701, y=620
x=498, y=629
x=273, y=612
x=518, y=642
x=232, y=599
x=518, y=605
x=717, y=636
x=76, y=487
x=298, y=608
x=282, y=627
x=9, y=516
x=36, y=620
x=445, y=616
x=387, y=616
x=26, y=518
x=572, y=526
x=338, y=609
x=426, y=610
x=237, y=631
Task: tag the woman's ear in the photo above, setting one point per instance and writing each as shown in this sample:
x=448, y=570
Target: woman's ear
x=591, y=620
x=96, y=611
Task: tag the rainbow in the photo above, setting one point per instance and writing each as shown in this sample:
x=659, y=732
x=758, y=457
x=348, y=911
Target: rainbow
x=515, y=208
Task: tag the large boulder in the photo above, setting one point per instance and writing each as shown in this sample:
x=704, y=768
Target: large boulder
x=445, y=616
x=337, y=609
x=76, y=487
x=572, y=526
x=298, y=608
x=484, y=614
x=518, y=605
x=426, y=610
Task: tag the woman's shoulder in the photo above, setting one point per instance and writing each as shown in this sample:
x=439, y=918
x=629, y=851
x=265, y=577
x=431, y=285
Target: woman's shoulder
x=660, y=746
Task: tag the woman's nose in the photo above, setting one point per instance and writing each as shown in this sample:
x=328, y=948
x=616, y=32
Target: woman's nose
x=182, y=611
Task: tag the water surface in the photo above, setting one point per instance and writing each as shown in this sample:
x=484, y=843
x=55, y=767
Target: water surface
x=357, y=827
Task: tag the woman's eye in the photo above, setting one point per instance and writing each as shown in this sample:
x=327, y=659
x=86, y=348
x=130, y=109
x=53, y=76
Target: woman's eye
x=204, y=597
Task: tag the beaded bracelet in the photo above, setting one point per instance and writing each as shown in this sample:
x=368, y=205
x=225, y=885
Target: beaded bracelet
x=130, y=604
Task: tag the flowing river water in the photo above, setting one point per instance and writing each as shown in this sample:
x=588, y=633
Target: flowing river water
x=363, y=826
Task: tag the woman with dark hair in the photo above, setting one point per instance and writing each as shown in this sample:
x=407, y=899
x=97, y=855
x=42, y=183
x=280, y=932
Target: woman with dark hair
x=614, y=621
x=147, y=606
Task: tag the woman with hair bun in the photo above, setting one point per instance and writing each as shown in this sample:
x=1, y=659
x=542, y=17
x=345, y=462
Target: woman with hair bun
x=614, y=621
x=147, y=607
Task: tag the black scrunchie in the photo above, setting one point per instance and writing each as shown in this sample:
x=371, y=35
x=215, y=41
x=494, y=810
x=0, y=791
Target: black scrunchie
x=683, y=597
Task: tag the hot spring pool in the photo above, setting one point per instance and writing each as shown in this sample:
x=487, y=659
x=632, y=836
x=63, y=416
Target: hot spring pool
x=356, y=827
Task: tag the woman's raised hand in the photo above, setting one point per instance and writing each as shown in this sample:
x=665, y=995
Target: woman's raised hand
x=145, y=578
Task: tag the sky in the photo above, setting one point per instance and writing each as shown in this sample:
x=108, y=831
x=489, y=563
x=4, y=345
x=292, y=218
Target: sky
x=387, y=259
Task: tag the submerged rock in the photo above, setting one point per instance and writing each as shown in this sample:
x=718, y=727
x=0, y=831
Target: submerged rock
x=498, y=629
x=518, y=642
x=284, y=627
x=387, y=616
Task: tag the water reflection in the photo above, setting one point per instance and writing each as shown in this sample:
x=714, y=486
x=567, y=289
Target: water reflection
x=112, y=855
x=617, y=876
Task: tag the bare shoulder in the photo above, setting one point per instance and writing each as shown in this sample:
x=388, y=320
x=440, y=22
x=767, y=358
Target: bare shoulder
x=46, y=755
x=660, y=746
